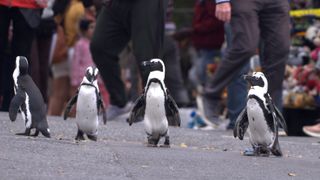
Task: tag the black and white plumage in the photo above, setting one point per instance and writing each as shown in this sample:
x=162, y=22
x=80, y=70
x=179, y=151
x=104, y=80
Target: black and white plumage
x=89, y=102
x=155, y=105
x=28, y=99
x=261, y=117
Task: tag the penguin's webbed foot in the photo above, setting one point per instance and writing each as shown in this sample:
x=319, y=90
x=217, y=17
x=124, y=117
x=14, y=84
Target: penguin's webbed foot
x=249, y=152
x=22, y=134
x=166, y=143
x=92, y=137
x=263, y=151
x=152, y=142
x=35, y=133
x=26, y=133
x=257, y=151
x=79, y=136
x=151, y=145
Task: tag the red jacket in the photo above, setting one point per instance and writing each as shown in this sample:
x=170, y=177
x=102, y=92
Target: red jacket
x=30, y=4
x=208, y=31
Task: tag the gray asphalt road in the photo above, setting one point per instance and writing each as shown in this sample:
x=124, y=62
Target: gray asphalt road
x=120, y=153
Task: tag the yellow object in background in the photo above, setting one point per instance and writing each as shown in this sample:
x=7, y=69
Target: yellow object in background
x=305, y=12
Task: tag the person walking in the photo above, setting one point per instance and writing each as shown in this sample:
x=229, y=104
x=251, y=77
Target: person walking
x=251, y=20
x=24, y=17
x=142, y=21
x=67, y=16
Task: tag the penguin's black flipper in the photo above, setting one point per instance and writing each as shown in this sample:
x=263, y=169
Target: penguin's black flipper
x=92, y=137
x=276, y=114
x=138, y=110
x=15, y=104
x=101, y=105
x=281, y=119
x=275, y=149
x=69, y=105
x=172, y=111
x=275, y=146
x=241, y=124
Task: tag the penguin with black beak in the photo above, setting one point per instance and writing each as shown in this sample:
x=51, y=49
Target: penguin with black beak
x=262, y=118
x=28, y=99
x=155, y=106
x=89, y=102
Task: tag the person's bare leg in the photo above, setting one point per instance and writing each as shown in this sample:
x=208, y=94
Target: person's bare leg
x=59, y=95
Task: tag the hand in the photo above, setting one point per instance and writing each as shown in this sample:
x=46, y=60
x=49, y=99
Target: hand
x=223, y=11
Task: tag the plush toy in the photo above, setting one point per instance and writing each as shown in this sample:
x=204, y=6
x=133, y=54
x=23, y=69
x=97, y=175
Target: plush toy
x=302, y=86
x=313, y=35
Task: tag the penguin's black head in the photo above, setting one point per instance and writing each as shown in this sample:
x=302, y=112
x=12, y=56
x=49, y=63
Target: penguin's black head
x=22, y=64
x=153, y=65
x=91, y=74
x=257, y=79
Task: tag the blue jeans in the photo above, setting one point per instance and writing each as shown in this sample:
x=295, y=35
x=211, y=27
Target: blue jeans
x=237, y=89
x=206, y=56
x=237, y=96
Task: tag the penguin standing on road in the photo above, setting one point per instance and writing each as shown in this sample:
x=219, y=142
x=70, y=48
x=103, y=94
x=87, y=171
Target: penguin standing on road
x=89, y=102
x=155, y=106
x=28, y=99
x=262, y=117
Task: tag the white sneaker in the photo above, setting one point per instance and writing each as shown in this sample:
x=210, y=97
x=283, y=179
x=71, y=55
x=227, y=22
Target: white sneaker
x=313, y=131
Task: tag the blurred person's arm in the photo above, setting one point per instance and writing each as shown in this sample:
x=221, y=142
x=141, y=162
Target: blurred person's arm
x=223, y=10
x=72, y=18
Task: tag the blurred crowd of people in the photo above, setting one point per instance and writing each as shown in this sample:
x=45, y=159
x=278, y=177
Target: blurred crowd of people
x=61, y=38
x=55, y=37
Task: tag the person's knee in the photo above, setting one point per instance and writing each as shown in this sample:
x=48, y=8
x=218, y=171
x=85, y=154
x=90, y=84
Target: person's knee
x=103, y=51
x=250, y=50
x=283, y=49
x=246, y=51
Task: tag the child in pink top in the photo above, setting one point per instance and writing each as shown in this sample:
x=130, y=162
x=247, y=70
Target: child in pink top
x=82, y=59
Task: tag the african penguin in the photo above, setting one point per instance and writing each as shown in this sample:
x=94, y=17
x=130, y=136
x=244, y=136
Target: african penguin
x=89, y=102
x=155, y=105
x=262, y=117
x=28, y=99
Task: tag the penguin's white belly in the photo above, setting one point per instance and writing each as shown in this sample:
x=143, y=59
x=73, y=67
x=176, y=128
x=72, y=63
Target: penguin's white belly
x=26, y=115
x=155, y=119
x=259, y=132
x=87, y=112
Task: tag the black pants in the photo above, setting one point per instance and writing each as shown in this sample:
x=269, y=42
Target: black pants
x=142, y=21
x=252, y=19
x=40, y=63
x=22, y=37
x=173, y=79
